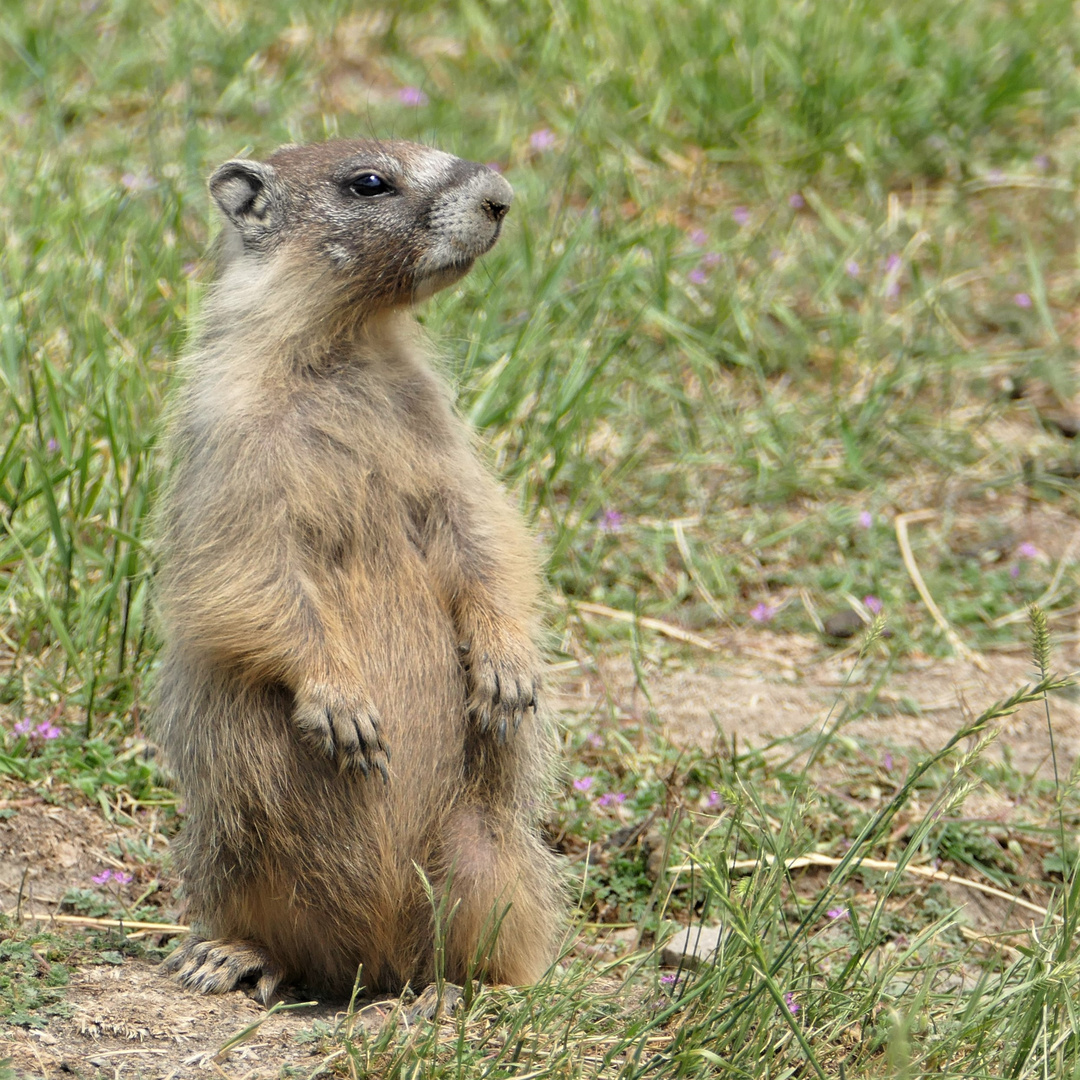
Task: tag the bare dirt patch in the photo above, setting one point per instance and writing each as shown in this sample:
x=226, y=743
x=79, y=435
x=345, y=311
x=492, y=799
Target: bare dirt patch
x=129, y=1021
x=762, y=687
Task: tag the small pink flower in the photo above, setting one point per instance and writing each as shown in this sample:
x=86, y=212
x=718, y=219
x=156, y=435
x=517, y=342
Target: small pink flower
x=667, y=980
x=713, y=799
x=893, y=262
x=610, y=798
x=100, y=879
x=866, y=519
x=1027, y=550
x=837, y=913
x=852, y=268
x=45, y=730
x=762, y=612
x=544, y=139
x=887, y=762
x=611, y=521
x=1021, y=299
x=699, y=237
x=583, y=784
x=24, y=727
x=740, y=215
x=412, y=95
x=796, y=201
x=873, y=604
x=1014, y=571
x=711, y=259
x=122, y=877
x=52, y=445
x=698, y=276
x=792, y=1005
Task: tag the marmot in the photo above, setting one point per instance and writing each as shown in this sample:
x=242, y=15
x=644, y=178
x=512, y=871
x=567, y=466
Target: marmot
x=348, y=688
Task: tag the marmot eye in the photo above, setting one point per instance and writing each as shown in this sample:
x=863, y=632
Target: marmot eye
x=370, y=184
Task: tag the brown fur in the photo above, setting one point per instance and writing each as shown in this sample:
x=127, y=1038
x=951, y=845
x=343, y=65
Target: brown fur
x=346, y=596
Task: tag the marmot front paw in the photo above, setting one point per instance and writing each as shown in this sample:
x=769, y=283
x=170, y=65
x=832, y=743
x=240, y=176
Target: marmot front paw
x=502, y=686
x=343, y=726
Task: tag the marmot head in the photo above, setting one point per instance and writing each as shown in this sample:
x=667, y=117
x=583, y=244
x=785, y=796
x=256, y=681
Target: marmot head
x=390, y=223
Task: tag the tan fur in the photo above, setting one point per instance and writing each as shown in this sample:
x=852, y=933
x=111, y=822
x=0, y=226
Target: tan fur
x=346, y=593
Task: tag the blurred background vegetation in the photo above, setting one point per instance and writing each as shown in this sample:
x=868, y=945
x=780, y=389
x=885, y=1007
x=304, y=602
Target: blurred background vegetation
x=777, y=271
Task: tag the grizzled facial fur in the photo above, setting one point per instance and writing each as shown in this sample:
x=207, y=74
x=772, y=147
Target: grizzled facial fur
x=391, y=222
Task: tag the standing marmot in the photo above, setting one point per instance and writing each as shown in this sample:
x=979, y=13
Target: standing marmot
x=348, y=687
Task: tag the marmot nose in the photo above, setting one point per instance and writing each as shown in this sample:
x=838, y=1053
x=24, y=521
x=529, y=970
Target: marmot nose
x=495, y=210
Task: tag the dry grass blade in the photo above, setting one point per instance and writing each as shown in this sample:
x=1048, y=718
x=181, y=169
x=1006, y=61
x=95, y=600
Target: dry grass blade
x=674, y=632
x=814, y=859
x=901, y=525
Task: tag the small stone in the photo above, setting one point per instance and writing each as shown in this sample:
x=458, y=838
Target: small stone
x=843, y=624
x=692, y=947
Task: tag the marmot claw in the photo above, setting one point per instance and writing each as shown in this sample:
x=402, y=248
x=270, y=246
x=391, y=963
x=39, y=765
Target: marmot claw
x=344, y=727
x=500, y=693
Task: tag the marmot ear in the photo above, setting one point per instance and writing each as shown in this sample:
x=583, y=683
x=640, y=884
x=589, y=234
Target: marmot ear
x=245, y=191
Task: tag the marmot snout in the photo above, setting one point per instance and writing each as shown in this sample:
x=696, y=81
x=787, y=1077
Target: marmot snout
x=349, y=685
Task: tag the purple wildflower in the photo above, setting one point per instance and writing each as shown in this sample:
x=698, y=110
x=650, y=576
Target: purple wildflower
x=611, y=521
x=100, y=879
x=122, y=877
x=699, y=237
x=46, y=730
x=698, y=276
x=740, y=215
x=24, y=727
x=1027, y=550
x=713, y=799
x=583, y=784
x=792, y=1005
x=852, y=268
x=866, y=519
x=412, y=95
x=837, y=913
x=1014, y=571
x=52, y=445
x=872, y=603
x=611, y=797
x=887, y=762
x=762, y=612
x=893, y=262
x=711, y=259
x=796, y=201
x=543, y=139
x=667, y=980
x=1021, y=299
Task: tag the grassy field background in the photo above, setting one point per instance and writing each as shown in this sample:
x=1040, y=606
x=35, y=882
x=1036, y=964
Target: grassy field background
x=776, y=274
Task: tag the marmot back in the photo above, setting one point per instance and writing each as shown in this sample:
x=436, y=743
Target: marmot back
x=348, y=689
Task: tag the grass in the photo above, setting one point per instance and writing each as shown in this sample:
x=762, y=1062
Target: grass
x=777, y=273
